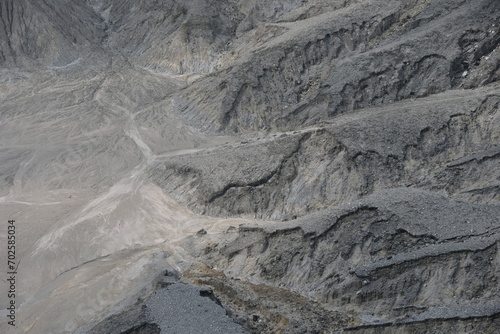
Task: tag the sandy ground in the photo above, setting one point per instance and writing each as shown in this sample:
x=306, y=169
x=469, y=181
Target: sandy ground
x=105, y=231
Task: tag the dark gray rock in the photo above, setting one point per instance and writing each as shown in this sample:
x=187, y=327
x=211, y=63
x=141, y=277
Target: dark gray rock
x=367, y=131
x=171, y=308
x=427, y=144
x=406, y=255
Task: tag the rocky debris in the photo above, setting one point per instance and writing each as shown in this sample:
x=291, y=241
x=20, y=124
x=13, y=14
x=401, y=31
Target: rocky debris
x=408, y=256
x=476, y=318
x=446, y=143
x=344, y=60
x=47, y=32
x=266, y=309
x=368, y=131
x=174, y=308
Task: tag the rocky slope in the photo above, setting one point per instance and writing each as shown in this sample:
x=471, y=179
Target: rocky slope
x=311, y=166
x=446, y=143
x=399, y=256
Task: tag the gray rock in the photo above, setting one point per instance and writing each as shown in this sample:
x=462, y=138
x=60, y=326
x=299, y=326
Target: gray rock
x=312, y=166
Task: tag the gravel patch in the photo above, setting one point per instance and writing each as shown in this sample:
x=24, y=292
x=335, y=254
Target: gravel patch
x=181, y=308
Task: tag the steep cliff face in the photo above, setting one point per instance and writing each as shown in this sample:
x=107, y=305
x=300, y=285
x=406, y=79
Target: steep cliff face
x=366, y=54
x=399, y=256
x=447, y=143
x=409, y=52
x=314, y=166
x=50, y=32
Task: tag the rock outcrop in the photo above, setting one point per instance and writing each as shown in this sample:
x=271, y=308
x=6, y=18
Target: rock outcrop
x=399, y=256
x=312, y=166
x=446, y=143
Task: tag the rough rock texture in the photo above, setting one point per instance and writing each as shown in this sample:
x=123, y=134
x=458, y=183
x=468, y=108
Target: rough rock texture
x=447, y=143
x=398, y=256
x=52, y=32
x=369, y=53
x=312, y=166
x=172, y=307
